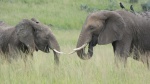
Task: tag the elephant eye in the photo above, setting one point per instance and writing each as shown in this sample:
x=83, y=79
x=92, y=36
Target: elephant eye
x=37, y=22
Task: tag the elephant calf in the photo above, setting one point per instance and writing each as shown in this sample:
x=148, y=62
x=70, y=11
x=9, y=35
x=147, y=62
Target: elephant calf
x=26, y=37
x=128, y=33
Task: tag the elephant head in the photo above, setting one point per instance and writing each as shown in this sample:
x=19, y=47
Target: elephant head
x=35, y=35
x=101, y=28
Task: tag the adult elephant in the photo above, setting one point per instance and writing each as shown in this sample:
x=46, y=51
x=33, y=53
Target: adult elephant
x=26, y=37
x=127, y=32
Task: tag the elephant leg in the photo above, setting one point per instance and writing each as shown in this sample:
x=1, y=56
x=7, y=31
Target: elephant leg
x=31, y=56
x=122, y=51
x=146, y=60
x=114, y=45
x=136, y=53
x=24, y=57
x=120, y=60
x=7, y=58
x=56, y=59
x=116, y=55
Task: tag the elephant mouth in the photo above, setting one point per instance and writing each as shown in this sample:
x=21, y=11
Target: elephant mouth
x=47, y=49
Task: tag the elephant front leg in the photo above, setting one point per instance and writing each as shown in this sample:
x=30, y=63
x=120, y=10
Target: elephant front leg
x=145, y=58
x=148, y=61
x=122, y=51
x=120, y=60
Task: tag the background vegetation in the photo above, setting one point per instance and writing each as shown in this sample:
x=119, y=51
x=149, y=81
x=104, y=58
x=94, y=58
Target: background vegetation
x=62, y=14
x=66, y=18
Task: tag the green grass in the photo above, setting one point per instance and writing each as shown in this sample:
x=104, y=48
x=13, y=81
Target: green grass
x=62, y=14
x=67, y=20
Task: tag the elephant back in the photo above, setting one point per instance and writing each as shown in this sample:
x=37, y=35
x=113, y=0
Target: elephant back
x=145, y=14
x=4, y=26
x=3, y=23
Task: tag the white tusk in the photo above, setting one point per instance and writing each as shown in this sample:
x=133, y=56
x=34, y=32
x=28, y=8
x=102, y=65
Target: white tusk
x=72, y=52
x=58, y=51
x=76, y=49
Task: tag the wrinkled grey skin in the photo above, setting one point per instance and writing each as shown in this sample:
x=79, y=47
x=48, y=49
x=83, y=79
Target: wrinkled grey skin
x=145, y=15
x=27, y=36
x=128, y=33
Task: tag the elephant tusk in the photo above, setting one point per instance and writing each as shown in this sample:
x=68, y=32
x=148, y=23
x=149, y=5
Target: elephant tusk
x=76, y=49
x=58, y=51
x=72, y=52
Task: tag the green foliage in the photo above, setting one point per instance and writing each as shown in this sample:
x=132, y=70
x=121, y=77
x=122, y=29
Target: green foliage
x=133, y=1
x=146, y=6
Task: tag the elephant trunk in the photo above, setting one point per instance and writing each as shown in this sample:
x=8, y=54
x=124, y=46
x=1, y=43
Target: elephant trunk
x=81, y=53
x=53, y=44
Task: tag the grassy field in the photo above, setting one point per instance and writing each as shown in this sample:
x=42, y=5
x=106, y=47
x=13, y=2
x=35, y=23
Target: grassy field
x=62, y=14
x=100, y=69
x=67, y=19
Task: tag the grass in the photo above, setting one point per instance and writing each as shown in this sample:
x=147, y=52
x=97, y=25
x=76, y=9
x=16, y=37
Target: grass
x=67, y=20
x=100, y=69
x=64, y=14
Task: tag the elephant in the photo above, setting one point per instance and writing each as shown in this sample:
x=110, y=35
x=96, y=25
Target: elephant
x=145, y=14
x=26, y=37
x=128, y=33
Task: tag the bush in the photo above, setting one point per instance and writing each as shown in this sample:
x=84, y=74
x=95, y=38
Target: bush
x=133, y=1
x=146, y=6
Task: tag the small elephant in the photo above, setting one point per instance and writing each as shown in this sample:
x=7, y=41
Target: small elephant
x=128, y=33
x=26, y=37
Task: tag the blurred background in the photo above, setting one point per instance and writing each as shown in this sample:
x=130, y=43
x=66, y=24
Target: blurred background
x=62, y=14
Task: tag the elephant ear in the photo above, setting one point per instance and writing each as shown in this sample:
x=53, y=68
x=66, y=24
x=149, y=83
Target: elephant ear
x=24, y=32
x=113, y=28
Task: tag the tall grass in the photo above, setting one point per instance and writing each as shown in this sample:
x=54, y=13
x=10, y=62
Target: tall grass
x=100, y=69
x=67, y=20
